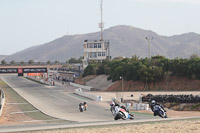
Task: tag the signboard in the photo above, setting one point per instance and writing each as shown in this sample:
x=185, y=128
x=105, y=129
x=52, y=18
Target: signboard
x=8, y=70
x=34, y=70
x=20, y=70
x=23, y=70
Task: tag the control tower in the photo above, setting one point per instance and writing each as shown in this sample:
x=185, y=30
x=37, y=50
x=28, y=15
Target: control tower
x=96, y=50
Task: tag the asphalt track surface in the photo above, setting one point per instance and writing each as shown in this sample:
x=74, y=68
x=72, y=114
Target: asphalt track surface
x=60, y=102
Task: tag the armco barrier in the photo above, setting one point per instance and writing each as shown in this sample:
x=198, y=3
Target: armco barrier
x=2, y=101
x=93, y=97
x=81, y=86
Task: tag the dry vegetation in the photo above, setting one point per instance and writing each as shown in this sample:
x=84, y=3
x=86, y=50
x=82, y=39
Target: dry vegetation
x=186, y=126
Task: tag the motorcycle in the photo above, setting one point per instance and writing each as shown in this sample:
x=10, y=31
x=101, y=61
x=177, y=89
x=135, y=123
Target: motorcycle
x=159, y=111
x=85, y=107
x=122, y=114
x=81, y=107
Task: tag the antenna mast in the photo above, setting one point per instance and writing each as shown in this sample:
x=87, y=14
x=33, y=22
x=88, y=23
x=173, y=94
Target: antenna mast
x=101, y=24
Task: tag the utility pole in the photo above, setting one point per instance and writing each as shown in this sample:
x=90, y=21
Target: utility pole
x=122, y=88
x=149, y=43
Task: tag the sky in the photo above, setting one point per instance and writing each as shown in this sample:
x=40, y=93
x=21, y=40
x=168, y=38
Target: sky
x=26, y=23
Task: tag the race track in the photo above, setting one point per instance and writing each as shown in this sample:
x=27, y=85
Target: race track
x=60, y=102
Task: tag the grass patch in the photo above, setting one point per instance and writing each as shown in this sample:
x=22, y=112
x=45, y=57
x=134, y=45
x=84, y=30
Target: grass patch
x=12, y=94
x=3, y=84
x=174, y=104
x=195, y=106
x=26, y=107
x=139, y=113
x=39, y=116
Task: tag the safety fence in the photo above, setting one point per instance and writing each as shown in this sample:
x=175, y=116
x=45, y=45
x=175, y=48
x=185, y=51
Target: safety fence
x=2, y=101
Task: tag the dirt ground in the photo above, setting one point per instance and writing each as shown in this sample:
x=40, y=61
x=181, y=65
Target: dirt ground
x=12, y=115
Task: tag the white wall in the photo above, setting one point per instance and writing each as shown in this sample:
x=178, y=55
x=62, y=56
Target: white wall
x=81, y=86
x=93, y=97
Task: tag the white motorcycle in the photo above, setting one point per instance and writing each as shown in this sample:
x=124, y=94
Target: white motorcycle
x=121, y=113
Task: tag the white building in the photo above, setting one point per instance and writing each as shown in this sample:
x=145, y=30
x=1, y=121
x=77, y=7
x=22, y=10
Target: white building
x=95, y=50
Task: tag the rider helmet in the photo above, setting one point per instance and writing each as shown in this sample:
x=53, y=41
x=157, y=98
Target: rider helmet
x=153, y=102
x=112, y=104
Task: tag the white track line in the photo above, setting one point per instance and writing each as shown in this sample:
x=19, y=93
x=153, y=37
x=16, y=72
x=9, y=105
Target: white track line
x=42, y=120
x=16, y=103
x=25, y=112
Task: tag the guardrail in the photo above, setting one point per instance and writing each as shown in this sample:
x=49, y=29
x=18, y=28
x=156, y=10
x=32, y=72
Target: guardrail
x=93, y=97
x=2, y=101
x=81, y=86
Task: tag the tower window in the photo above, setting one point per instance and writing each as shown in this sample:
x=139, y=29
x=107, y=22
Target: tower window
x=99, y=45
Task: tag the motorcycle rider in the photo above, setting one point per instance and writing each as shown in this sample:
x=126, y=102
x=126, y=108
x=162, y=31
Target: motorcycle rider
x=154, y=103
x=85, y=106
x=114, y=108
x=81, y=107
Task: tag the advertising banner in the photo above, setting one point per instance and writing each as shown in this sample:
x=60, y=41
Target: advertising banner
x=8, y=70
x=34, y=70
x=23, y=70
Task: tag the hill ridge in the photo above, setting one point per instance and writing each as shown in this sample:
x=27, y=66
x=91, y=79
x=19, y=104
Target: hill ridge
x=124, y=41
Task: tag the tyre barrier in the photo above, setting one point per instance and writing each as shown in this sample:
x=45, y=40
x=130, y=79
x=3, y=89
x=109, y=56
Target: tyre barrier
x=2, y=101
x=172, y=98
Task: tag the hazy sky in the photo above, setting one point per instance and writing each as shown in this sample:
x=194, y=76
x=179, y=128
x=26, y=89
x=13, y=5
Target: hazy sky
x=25, y=23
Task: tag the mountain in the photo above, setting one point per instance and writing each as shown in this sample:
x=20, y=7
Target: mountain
x=185, y=45
x=124, y=41
x=2, y=57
